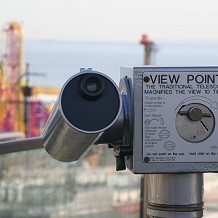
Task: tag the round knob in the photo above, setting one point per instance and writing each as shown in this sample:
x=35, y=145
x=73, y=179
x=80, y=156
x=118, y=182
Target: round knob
x=195, y=114
x=195, y=122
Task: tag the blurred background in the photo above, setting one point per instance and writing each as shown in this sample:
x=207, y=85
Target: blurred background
x=42, y=44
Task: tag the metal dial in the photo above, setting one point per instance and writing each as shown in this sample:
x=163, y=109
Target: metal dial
x=195, y=122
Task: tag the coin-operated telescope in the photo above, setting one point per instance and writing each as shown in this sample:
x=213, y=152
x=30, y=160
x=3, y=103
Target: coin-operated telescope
x=159, y=120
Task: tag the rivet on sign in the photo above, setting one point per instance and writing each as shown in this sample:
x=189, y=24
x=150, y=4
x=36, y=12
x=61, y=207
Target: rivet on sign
x=146, y=159
x=146, y=79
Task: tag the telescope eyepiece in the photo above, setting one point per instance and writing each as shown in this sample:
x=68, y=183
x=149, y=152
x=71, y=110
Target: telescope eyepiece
x=91, y=86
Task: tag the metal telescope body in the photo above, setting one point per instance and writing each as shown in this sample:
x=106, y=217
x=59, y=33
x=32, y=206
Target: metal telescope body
x=161, y=121
x=80, y=115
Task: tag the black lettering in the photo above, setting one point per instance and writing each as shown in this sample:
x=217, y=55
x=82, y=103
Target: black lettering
x=174, y=79
x=211, y=78
x=153, y=80
x=190, y=78
x=199, y=79
x=164, y=79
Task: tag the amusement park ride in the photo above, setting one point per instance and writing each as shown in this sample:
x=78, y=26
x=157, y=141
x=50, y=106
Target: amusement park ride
x=12, y=67
x=20, y=110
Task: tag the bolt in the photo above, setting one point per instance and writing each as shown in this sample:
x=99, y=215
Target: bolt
x=146, y=159
x=146, y=79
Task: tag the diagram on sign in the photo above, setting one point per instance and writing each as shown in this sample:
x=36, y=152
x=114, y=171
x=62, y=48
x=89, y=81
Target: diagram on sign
x=169, y=145
x=149, y=121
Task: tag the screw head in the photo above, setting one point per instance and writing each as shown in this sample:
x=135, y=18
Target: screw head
x=146, y=79
x=146, y=159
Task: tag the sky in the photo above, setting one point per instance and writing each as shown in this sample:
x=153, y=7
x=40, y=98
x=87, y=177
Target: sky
x=114, y=20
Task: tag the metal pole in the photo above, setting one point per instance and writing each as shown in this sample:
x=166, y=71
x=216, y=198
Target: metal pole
x=27, y=91
x=175, y=195
x=27, y=106
x=147, y=43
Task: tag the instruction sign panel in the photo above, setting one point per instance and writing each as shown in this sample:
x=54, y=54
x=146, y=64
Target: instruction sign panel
x=180, y=116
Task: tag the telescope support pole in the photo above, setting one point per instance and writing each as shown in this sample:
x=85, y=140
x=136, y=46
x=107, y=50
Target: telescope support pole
x=174, y=195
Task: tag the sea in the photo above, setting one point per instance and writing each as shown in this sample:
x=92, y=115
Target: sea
x=56, y=61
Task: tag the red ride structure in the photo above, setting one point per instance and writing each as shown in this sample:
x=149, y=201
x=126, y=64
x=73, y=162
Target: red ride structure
x=20, y=111
x=12, y=72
